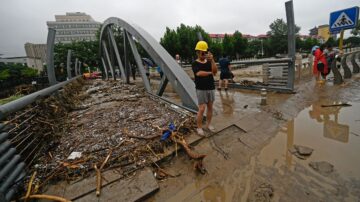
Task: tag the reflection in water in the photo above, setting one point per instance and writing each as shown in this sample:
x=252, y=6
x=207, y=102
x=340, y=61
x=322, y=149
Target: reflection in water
x=214, y=192
x=319, y=128
x=290, y=142
x=227, y=102
x=332, y=129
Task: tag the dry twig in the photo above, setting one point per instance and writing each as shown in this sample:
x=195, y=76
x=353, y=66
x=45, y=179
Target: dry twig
x=30, y=186
x=48, y=197
x=98, y=180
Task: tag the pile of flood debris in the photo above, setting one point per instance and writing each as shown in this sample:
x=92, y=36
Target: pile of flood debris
x=105, y=125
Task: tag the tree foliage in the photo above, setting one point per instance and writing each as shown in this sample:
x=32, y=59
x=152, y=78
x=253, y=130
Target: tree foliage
x=16, y=71
x=356, y=30
x=278, y=36
x=228, y=45
x=182, y=41
x=86, y=51
x=352, y=41
x=240, y=44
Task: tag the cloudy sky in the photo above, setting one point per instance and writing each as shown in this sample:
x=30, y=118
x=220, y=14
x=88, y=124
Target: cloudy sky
x=25, y=20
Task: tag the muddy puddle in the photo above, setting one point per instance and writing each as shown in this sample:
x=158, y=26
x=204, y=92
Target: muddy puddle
x=333, y=133
x=275, y=173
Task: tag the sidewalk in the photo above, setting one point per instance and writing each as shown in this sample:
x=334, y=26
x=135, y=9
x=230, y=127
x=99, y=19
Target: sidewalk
x=234, y=170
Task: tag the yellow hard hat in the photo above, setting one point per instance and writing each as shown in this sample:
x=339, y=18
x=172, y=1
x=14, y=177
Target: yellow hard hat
x=201, y=46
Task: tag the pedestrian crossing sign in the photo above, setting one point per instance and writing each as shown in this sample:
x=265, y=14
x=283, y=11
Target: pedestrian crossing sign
x=344, y=19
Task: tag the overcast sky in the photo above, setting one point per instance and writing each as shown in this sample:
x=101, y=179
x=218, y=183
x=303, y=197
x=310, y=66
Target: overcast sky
x=25, y=20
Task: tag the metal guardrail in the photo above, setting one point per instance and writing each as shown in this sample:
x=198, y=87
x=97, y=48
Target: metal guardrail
x=26, y=100
x=276, y=75
x=12, y=168
x=16, y=145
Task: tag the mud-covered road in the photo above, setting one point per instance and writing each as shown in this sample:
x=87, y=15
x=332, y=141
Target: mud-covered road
x=253, y=157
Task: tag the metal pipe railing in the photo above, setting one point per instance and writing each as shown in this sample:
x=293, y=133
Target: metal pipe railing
x=14, y=153
x=9, y=181
x=3, y=137
x=20, y=103
x=9, y=154
x=258, y=61
x=4, y=146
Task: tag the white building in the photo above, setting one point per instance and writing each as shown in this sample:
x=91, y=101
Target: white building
x=36, y=55
x=74, y=27
x=14, y=60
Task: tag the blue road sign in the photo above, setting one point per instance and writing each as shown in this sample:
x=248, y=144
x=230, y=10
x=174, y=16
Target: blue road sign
x=344, y=19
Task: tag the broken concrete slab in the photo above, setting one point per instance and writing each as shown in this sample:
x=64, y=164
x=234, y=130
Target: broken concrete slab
x=322, y=167
x=88, y=185
x=247, y=123
x=301, y=152
x=135, y=188
x=305, y=151
x=81, y=188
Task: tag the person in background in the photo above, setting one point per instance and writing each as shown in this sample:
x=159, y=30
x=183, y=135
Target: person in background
x=320, y=64
x=159, y=70
x=225, y=74
x=204, y=69
x=177, y=58
x=147, y=70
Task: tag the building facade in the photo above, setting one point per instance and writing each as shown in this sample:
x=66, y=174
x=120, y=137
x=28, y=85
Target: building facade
x=36, y=55
x=14, y=60
x=323, y=32
x=74, y=27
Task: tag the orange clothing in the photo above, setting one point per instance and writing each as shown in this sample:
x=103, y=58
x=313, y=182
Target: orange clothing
x=319, y=56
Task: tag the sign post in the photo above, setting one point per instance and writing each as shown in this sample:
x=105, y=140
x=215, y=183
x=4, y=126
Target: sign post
x=342, y=20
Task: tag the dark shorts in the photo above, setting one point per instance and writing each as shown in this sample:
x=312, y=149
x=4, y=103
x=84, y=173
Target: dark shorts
x=225, y=75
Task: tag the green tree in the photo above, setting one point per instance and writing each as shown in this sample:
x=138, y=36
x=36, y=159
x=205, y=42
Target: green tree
x=240, y=44
x=309, y=43
x=4, y=74
x=278, y=36
x=352, y=41
x=217, y=50
x=182, y=41
x=299, y=44
x=356, y=30
x=171, y=41
x=86, y=51
x=331, y=42
x=253, y=48
x=228, y=45
x=16, y=71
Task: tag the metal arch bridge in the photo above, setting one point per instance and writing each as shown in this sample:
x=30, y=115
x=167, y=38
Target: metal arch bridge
x=173, y=73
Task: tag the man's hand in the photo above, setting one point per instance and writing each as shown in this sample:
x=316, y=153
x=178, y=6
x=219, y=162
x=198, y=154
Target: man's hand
x=210, y=56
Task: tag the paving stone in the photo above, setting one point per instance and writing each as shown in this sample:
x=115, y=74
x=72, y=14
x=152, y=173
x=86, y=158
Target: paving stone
x=322, y=167
x=302, y=150
x=248, y=123
x=135, y=188
x=88, y=185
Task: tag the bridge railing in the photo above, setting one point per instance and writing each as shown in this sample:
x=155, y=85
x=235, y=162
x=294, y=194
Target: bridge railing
x=347, y=65
x=17, y=145
x=275, y=74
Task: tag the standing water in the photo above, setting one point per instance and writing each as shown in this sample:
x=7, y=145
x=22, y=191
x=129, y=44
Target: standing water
x=333, y=133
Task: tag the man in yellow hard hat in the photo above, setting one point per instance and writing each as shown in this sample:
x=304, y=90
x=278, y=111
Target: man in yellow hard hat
x=204, y=69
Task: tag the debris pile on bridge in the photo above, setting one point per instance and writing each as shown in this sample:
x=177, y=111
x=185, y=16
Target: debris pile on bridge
x=113, y=125
x=32, y=129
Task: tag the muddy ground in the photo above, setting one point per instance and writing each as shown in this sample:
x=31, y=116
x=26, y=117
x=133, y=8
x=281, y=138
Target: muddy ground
x=250, y=158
